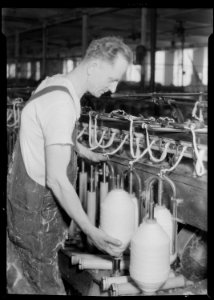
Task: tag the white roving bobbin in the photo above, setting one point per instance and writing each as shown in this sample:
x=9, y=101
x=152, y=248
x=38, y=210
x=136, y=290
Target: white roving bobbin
x=149, y=256
x=83, y=188
x=117, y=216
x=164, y=218
x=103, y=190
x=91, y=207
x=134, y=199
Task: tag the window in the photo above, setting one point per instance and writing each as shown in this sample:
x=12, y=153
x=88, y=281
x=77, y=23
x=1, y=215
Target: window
x=38, y=70
x=8, y=70
x=205, y=67
x=68, y=65
x=28, y=70
x=133, y=73
x=147, y=68
x=12, y=70
x=160, y=67
x=182, y=71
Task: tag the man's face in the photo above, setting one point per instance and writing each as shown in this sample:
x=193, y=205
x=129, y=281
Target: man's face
x=104, y=77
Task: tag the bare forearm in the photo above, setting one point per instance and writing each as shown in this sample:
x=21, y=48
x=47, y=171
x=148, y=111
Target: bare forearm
x=80, y=148
x=57, y=158
x=87, y=153
x=69, y=200
x=83, y=151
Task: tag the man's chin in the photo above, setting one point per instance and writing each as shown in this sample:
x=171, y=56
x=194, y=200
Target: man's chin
x=98, y=94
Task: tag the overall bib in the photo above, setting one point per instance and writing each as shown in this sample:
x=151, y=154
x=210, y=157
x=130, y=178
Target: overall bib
x=36, y=226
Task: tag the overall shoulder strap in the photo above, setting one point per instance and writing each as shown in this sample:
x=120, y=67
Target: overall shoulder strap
x=50, y=89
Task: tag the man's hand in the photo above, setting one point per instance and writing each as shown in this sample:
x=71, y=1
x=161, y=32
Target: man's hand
x=87, y=153
x=106, y=243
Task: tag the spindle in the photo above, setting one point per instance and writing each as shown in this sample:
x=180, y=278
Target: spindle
x=91, y=201
x=83, y=179
x=103, y=185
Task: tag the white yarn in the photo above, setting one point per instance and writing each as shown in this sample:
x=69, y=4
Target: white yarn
x=97, y=144
x=93, y=135
x=164, y=218
x=199, y=167
x=131, y=138
x=16, y=115
x=100, y=141
x=81, y=133
x=134, y=199
x=83, y=178
x=200, y=118
x=103, y=190
x=119, y=147
x=137, y=145
x=162, y=171
x=110, y=142
x=143, y=153
x=149, y=257
x=164, y=153
x=91, y=207
x=117, y=216
x=9, y=114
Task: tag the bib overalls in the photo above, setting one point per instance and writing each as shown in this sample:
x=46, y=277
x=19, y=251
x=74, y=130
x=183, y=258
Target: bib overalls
x=36, y=226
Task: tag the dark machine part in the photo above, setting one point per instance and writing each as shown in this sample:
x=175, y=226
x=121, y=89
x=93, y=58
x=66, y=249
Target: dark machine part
x=116, y=266
x=193, y=254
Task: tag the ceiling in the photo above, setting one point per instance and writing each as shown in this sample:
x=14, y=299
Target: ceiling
x=24, y=28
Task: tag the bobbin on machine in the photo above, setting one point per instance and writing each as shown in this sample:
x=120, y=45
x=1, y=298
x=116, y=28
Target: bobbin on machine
x=156, y=144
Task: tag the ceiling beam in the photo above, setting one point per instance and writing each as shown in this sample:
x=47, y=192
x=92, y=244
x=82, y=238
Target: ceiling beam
x=15, y=19
x=174, y=12
x=74, y=17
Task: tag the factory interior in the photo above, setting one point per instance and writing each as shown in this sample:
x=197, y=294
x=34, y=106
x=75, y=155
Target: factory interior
x=153, y=130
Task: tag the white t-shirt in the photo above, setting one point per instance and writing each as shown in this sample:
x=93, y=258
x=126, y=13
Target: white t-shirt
x=47, y=120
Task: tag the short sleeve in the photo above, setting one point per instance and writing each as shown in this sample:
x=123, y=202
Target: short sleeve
x=58, y=121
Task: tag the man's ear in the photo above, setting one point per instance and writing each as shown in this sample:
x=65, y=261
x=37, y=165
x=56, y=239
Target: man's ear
x=92, y=65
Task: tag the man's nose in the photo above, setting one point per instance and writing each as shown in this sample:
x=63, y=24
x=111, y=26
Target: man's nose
x=113, y=87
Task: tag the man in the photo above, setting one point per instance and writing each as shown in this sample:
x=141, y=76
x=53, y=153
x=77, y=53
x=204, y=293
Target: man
x=41, y=180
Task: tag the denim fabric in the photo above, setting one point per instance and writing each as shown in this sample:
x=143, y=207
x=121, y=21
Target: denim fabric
x=37, y=228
